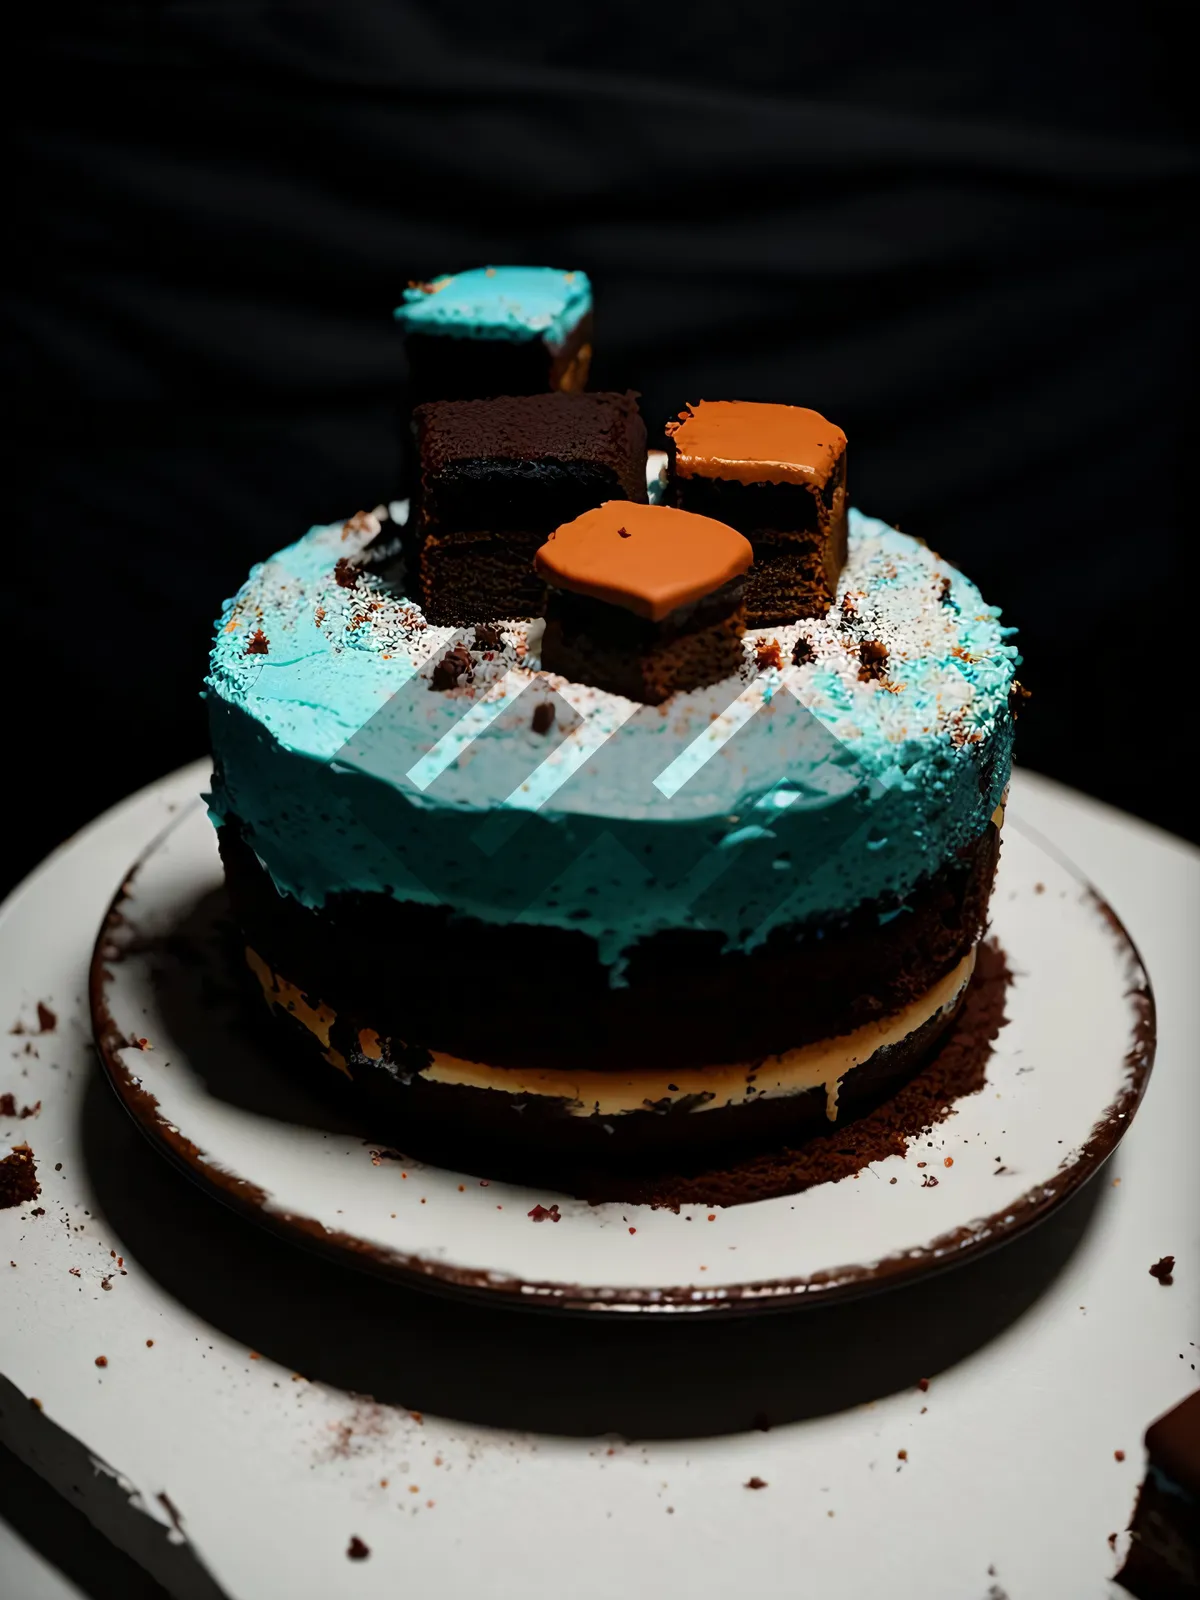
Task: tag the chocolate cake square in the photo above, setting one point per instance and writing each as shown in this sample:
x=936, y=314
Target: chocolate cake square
x=777, y=474
x=1164, y=1553
x=644, y=600
x=497, y=476
x=497, y=330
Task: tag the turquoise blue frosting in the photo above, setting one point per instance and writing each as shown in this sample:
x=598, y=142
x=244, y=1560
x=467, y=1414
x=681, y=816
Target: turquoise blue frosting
x=790, y=795
x=499, y=303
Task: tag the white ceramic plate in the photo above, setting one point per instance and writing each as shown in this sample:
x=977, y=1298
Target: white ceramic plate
x=1066, y=1075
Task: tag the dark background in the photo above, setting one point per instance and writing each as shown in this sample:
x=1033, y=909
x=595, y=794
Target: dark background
x=965, y=234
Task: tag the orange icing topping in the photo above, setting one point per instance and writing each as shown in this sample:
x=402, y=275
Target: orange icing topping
x=751, y=442
x=648, y=559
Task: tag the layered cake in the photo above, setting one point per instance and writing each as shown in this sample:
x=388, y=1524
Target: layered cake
x=496, y=476
x=497, y=330
x=1163, y=1562
x=777, y=474
x=644, y=600
x=630, y=881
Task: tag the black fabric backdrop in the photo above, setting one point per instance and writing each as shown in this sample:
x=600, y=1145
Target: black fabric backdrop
x=966, y=233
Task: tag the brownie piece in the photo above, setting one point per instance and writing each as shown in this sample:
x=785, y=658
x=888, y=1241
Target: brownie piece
x=1164, y=1556
x=497, y=330
x=498, y=476
x=644, y=600
x=777, y=474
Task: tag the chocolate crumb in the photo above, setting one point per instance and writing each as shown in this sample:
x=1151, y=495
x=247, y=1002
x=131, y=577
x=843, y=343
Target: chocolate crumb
x=47, y=1021
x=901, y=1455
x=624, y=533
x=18, y=1177
x=543, y=716
x=803, y=652
x=1118, y=1455
x=767, y=655
x=345, y=573
x=101, y=1361
x=259, y=643
x=454, y=664
x=357, y=1550
x=488, y=636
x=873, y=658
x=541, y=1214
x=923, y=1385
x=755, y=1483
x=1164, y=1270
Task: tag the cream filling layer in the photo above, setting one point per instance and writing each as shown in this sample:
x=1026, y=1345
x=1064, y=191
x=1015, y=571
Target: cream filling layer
x=822, y=1064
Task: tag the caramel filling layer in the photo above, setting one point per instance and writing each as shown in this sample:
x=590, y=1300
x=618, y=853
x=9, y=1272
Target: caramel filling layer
x=610, y=1094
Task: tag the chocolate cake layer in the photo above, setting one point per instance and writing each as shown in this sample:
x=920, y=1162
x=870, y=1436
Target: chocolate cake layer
x=466, y=576
x=590, y=642
x=499, y=475
x=520, y=996
x=442, y=368
x=527, y=1137
x=778, y=475
x=528, y=462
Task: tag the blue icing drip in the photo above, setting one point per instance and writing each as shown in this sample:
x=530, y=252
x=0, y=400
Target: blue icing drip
x=512, y=303
x=832, y=792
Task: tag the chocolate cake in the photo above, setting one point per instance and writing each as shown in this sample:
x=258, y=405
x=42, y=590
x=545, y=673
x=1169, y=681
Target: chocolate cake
x=1164, y=1554
x=643, y=600
x=777, y=474
x=497, y=330
x=497, y=476
x=634, y=888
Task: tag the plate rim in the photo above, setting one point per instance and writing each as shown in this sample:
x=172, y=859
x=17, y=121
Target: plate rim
x=500, y=1289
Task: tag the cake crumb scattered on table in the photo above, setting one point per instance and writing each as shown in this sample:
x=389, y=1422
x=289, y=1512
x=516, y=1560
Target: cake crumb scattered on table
x=1164, y=1270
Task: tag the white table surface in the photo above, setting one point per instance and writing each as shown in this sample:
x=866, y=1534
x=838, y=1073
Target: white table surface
x=1011, y=1482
